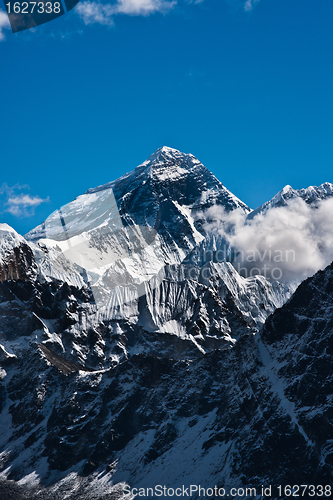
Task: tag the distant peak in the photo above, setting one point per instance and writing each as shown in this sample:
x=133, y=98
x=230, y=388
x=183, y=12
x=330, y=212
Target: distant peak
x=7, y=228
x=284, y=191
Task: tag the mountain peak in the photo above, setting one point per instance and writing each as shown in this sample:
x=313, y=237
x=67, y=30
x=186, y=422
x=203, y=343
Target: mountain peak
x=167, y=180
x=286, y=189
x=164, y=158
x=166, y=151
x=6, y=228
x=169, y=157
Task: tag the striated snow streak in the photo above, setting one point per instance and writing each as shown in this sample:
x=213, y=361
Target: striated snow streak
x=278, y=387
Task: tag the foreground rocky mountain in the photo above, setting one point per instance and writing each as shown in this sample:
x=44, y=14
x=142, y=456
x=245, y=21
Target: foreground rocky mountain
x=132, y=356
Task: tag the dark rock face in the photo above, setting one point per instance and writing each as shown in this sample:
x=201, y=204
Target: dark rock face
x=223, y=402
x=19, y=264
x=25, y=304
x=300, y=337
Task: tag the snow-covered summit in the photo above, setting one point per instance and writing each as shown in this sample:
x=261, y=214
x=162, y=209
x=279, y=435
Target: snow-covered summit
x=311, y=195
x=314, y=194
x=165, y=157
x=9, y=239
x=166, y=181
x=6, y=228
x=166, y=152
x=171, y=174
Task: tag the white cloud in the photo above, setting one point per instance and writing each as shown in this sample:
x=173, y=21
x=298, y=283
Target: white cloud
x=4, y=24
x=19, y=204
x=95, y=12
x=249, y=4
x=296, y=240
x=143, y=7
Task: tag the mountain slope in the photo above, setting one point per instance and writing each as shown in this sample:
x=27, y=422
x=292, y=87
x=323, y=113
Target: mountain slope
x=299, y=337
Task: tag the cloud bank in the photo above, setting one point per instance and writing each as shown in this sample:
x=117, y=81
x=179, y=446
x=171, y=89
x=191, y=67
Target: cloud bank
x=19, y=204
x=287, y=243
x=95, y=12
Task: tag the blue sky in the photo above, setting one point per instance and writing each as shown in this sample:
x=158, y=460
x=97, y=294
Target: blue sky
x=247, y=87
